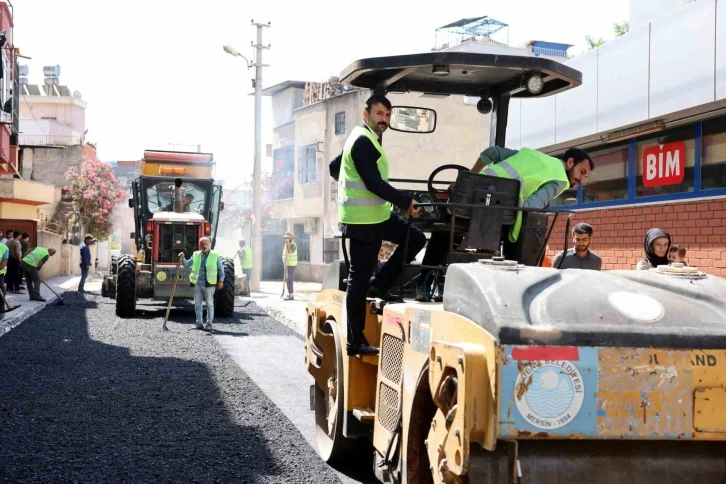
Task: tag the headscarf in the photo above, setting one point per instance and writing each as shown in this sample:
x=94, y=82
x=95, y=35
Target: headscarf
x=650, y=236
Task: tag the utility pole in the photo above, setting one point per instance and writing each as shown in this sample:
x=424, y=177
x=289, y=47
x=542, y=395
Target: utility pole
x=256, y=174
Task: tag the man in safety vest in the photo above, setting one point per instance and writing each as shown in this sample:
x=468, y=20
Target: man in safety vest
x=289, y=259
x=32, y=264
x=365, y=199
x=245, y=260
x=542, y=179
x=207, y=273
x=4, y=258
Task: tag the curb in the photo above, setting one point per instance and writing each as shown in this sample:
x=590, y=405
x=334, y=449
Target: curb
x=15, y=320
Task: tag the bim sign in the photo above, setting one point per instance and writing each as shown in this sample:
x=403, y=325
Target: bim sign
x=664, y=164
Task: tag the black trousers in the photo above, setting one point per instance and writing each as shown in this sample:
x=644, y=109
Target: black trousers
x=363, y=261
x=13, y=277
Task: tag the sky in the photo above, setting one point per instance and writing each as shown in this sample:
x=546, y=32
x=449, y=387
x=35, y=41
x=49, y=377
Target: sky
x=154, y=73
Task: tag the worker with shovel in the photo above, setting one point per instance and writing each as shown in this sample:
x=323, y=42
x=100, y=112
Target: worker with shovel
x=32, y=264
x=4, y=258
x=207, y=272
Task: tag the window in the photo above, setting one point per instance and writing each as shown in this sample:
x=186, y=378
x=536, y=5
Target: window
x=334, y=191
x=303, y=242
x=331, y=250
x=713, y=161
x=609, y=180
x=281, y=184
x=340, y=123
x=308, y=166
x=668, y=158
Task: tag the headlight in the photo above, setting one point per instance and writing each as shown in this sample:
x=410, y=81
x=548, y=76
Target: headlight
x=535, y=84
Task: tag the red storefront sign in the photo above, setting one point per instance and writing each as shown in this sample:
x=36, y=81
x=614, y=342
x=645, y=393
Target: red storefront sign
x=664, y=164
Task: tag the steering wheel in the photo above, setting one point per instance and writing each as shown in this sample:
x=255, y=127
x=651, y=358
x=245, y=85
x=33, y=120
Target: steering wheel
x=439, y=194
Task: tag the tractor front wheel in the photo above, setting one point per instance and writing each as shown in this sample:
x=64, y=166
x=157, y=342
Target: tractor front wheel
x=126, y=287
x=224, y=298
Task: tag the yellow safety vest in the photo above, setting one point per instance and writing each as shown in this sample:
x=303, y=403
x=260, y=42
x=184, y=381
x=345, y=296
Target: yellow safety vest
x=291, y=258
x=36, y=256
x=211, y=267
x=533, y=169
x=3, y=249
x=357, y=204
x=247, y=262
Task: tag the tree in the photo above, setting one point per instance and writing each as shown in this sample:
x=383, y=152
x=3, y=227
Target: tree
x=621, y=28
x=96, y=192
x=592, y=43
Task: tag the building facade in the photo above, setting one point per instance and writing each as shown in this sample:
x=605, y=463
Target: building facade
x=307, y=137
x=652, y=113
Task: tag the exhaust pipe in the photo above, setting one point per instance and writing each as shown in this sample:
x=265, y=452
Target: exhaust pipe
x=178, y=195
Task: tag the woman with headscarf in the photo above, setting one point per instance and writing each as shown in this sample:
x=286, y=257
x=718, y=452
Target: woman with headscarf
x=656, y=245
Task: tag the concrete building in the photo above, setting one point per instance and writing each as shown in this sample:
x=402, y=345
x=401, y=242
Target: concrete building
x=23, y=202
x=652, y=113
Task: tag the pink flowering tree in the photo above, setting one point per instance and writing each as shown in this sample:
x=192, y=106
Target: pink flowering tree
x=96, y=192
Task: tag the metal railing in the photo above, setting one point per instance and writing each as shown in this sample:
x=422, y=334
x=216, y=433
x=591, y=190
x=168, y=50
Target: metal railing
x=49, y=140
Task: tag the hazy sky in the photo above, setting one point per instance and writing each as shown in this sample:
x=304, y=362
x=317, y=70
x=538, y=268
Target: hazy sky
x=153, y=72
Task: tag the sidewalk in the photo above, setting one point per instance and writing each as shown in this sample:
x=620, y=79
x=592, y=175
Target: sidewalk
x=28, y=308
x=289, y=313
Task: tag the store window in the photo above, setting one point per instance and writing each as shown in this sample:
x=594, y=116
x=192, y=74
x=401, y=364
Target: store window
x=713, y=161
x=609, y=180
x=664, y=162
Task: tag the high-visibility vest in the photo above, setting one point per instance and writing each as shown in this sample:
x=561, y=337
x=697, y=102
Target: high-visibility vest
x=247, y=262
x=211, y=267
x=357, y=204
x=291, y=258
x=533, y=169
x=3, y=250
x=36, y=256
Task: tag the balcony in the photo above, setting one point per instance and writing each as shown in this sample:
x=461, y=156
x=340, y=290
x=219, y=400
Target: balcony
x=49, y=140
x=26, y=192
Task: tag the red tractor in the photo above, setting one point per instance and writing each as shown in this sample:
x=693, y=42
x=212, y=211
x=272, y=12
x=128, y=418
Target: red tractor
x=175, y=203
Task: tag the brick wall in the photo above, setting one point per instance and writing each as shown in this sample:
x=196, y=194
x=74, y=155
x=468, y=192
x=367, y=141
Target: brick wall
x=619, y=233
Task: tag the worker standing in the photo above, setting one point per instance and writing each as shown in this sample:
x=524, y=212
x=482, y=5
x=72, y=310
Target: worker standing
x=207, y=273
x=289, y=258
x=245, y=260
x=364, y=211
x=85, y=262
x=32, y=264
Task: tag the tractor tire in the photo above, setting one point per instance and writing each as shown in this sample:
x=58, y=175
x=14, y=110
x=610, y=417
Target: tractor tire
x=104, y=288
x=114, y=264
x=224, y=299
x=126, y=287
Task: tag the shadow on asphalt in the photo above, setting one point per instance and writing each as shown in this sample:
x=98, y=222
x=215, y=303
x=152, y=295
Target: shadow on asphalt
x=76, y=409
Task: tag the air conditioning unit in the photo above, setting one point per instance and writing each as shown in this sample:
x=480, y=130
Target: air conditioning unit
x=311, y=226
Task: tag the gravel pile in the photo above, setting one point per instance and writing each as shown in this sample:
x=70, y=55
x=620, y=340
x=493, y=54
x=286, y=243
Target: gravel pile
x=88, y=397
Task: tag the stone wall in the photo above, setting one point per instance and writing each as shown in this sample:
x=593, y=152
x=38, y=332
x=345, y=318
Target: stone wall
x=49, y=165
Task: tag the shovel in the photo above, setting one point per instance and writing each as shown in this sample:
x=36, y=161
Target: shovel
x=173, y=290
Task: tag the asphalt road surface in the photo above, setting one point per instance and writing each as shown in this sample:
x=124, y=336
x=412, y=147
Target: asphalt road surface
x=88, y=397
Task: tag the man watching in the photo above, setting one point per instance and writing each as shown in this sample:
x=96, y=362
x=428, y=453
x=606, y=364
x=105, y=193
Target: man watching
x=579, y=257
x=207, y=272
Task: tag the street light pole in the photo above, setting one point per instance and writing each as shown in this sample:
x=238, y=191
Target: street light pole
x=256, y=174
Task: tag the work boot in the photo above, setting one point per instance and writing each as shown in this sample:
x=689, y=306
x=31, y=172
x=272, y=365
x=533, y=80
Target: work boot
x=420, y=293
x=208, y=327
x=361, y=349
x=39, y=298
x=198, y=326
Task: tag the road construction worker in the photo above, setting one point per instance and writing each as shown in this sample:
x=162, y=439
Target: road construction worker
x=207, y=273
x=32, y=264
x=365, y=199
x=245, y=260
x=542, y=179
x=4, y=258
x=289, y=258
